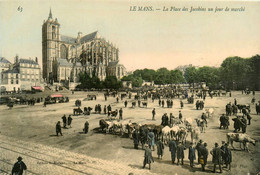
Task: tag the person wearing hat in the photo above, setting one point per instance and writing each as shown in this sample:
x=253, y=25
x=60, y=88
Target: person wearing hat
x=58, y=128
x=204, y=118
x=86, y=126
x=69, y=120
x=180, y=115
x=216, y=157
x=192, y=155
x=223, y=155
x=150, y=139
x=198, y=148
x=181, y=103
x=64, y=121
x=180, y=153
x=204, y=156
x=172, y=149
x=160, y=148
x=243, y=124
x=228, y=156
x=148, y=158
x=19, y=167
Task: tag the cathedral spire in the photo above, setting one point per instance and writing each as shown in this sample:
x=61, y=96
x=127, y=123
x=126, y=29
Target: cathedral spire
x=50, y=14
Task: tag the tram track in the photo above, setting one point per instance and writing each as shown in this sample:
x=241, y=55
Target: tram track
x=80, y=162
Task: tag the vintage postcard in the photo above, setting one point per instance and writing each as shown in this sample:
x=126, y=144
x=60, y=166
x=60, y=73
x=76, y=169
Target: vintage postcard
x=129, y=87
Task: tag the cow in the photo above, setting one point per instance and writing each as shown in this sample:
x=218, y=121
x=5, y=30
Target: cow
x=182, y=135
x=202, y=124
x=209, y=112
x=242, y=138
x=240, y=107
x=105, y=125
x=131, y=127
x=144, y=104
x=77, y=111
x=168, y=133
x=194, y=134
x=113, y=113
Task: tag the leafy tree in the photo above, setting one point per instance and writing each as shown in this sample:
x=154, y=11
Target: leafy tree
x=111, y=82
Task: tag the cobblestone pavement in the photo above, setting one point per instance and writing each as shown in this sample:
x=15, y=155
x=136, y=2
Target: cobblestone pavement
x=41, y=159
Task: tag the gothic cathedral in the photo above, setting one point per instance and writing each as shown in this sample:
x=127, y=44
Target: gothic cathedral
x=64, y=57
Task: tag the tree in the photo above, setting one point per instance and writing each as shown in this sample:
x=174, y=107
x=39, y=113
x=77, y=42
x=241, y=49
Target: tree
x=111, y=82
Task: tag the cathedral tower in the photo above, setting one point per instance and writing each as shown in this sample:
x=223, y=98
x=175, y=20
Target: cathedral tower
x=50, y=45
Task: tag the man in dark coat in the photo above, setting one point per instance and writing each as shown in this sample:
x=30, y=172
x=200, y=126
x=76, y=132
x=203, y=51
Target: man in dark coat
x=160, y=149
x=163, y=120
x=143, y=137
x=105, y=109
x=148, y=158
x=203, y=117
x=228, y=156
x=136, y=139
x=125, y=103
x=150, y=139
x=204, y=156
x=243, y=124
x=19, y=167
x=69, y=120
x=64, y=119
x=248, y=118
x=86, y=126
x=237, y=124
x=192, y=155
x=120, y=114
x=180, y=153
x=181, y=104
x=180, y=115
x=153, y=112
x=172, y=149
x=216, y=157
x=163, y=103
x=58, y=129
x=223, y=155
x=198, y=147
x=166, y=120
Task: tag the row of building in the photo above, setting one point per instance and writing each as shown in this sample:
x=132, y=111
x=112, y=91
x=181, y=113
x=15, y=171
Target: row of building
x=23, y=74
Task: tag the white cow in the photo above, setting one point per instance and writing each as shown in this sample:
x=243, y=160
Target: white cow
x=242, y=138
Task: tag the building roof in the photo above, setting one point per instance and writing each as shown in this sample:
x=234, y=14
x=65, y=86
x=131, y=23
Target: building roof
x=86, y=38
x=4, y=60
x=22, y=60
x=113, y=63
x=78, y=64
x=64, y=62
x=68, y=39
x=14, y=70
x=89, y=37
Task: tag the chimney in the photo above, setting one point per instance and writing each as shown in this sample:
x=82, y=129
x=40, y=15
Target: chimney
x=36, y=59
x=16, y=59
x=79, y=35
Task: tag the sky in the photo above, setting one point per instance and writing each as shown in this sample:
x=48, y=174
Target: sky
x=146, y=39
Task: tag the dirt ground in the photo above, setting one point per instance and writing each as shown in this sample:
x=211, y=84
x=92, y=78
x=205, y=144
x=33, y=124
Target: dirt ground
x=36, y=124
